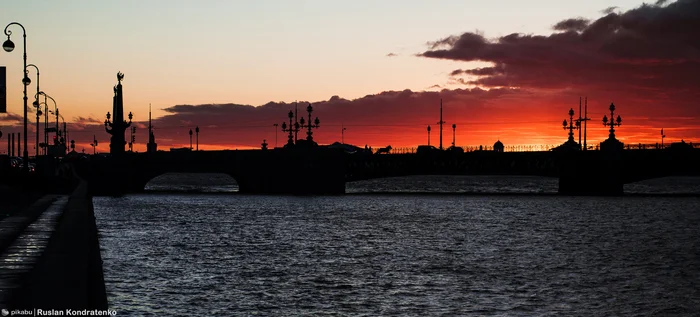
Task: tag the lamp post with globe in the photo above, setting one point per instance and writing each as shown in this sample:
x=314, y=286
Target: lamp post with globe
x=9, y=46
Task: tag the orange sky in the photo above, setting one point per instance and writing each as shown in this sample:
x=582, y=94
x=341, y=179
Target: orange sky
x=646, y=60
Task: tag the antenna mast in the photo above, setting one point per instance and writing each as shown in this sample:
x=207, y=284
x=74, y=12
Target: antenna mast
x=440, y=123
x=149, y=119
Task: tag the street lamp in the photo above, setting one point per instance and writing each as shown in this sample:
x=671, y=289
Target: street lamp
x=9, y=46
x=93, y=144
x=46, y=118
x=428, y=135
x=190, y=139
x=663, y=136
x=309, y=125
x=454, y=134
x=292, y=128
x=54, y=112
x=197, y=131
x=38, y=115
x=570, y=124
x=36, y=104
x=612, y=123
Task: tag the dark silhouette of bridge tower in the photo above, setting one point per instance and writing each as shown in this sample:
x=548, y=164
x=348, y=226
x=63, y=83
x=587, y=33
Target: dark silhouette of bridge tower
x=118, y=125
x=152, y=146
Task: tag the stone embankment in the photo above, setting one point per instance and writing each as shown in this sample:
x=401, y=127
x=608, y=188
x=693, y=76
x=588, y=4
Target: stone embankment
x=50, y=255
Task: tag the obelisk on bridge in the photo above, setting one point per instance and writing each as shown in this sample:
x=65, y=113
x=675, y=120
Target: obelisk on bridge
x=118, y=125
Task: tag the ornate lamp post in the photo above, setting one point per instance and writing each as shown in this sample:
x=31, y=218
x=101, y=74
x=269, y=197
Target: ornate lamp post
x=309, y=125
x=38, y=115
x=93, y=144
x=292, y=128
x=428, y=135
x=196, y=130
x=46, y=118
x=454, y=134
x=612, y=123
x=36, y=104
x=570, y=124
x=190, y=139
x=9, y=46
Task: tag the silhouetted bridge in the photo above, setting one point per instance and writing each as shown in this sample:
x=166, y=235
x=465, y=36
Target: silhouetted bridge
x=325, y=171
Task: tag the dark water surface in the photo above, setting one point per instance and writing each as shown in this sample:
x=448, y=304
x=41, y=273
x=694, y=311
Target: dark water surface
x=417, y=255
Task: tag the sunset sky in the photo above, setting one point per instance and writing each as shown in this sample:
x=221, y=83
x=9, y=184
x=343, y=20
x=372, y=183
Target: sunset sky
x=505, y=69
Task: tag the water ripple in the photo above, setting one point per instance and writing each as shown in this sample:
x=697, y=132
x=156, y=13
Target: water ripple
x=400, y=255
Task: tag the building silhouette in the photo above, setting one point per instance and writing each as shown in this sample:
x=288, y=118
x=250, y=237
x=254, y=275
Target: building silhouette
x=498, y=146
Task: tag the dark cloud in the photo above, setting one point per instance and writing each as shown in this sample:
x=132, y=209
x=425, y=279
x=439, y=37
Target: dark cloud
x=11, y=118
x=392, y=55
x=368, y=118
x=609, y=10
x=577, y=24
x=650, y=54
x=80, y=123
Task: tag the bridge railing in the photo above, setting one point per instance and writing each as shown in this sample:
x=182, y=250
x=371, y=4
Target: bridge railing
x=539, y=148
x=655, y=146
x=472, y=148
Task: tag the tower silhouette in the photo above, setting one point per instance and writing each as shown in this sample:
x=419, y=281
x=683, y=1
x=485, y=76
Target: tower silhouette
x=118, y=125
x=152, y=146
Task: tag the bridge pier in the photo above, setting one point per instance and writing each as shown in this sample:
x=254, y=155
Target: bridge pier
x=293, y=172
x=591, y=173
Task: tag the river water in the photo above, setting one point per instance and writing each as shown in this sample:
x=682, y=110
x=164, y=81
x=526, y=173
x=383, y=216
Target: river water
x=214, y=253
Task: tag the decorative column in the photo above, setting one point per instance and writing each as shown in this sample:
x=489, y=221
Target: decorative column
x=118, y=126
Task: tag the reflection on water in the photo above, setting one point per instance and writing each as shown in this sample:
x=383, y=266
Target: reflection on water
x=212, y=183
x=193, y=182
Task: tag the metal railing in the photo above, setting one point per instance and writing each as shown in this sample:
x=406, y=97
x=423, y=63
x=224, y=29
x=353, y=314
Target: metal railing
x=538, y=148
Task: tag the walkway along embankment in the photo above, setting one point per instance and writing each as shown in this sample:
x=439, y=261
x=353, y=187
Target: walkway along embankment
x=69, y=273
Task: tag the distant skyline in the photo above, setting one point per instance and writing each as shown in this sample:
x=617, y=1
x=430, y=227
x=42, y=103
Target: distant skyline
x=356, y=62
